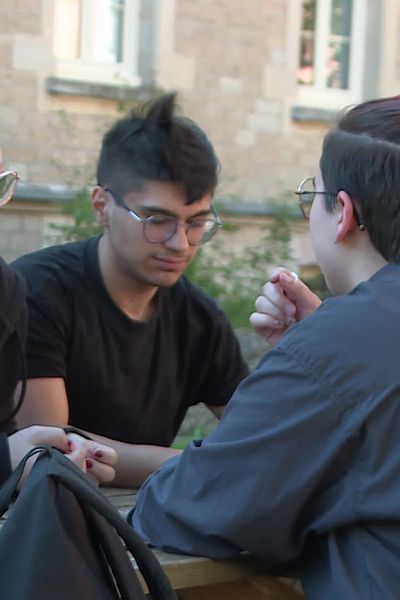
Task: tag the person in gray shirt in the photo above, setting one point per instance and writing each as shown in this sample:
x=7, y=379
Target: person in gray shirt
x=305, y=465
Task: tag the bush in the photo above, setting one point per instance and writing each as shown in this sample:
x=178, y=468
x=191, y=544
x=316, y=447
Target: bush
x=82, y=220
x=235, y=280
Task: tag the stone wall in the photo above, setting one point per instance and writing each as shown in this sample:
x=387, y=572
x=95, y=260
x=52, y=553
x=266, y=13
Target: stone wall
x=233, y=64
x=22, y=228
x=239, y=84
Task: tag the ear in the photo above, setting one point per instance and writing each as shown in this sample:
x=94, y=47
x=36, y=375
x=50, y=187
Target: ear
x=100, y=201
x=347, y=221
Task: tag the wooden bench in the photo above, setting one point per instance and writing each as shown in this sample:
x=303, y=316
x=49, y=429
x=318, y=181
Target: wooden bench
x=197, y=578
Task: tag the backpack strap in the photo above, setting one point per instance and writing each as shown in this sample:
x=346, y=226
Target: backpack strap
x=71, y=429
x=88, y=495
x=100, y=513
x=116, y=558
x=10, y=487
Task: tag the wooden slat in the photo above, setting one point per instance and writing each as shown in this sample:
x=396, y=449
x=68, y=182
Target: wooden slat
x=199, y=578
x=267, y=588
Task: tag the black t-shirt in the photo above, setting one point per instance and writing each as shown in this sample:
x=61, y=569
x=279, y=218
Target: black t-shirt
x=12, y=340
x=127, y=380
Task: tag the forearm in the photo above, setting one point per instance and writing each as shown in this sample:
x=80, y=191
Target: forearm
x=135, y=461
x=47, y=403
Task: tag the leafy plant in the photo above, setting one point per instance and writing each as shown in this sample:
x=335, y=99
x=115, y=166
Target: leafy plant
x=234, y=280
x=198, y=432
x=82, y=223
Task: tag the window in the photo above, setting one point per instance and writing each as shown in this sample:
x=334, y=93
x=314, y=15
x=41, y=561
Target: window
x=97, y=40
x=330, y=61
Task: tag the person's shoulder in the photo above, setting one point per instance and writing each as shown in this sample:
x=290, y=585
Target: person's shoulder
x=50, y=255
x=12, y=292
x=346, y=324
x=9, y=278
x=320, y=329
x=55, y=268
x=59, y=261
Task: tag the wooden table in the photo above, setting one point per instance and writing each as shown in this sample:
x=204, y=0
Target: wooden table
x=197, y=578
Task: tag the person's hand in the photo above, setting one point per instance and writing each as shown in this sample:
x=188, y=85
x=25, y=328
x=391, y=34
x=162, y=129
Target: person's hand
x=22, y=441
x=93, y=458
x=285, y=300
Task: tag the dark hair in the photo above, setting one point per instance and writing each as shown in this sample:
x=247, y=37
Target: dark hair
x=153, y=144
x=361, y=155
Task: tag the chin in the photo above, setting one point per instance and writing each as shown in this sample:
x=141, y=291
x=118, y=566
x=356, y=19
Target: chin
x=167, y=280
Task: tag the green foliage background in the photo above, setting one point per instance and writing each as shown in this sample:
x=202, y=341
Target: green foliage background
x=83, y=223
x=233, y=279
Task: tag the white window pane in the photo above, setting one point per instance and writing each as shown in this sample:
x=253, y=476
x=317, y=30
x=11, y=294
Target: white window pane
x=337, y=71
x=341, y=17
x=67, y=29
x=339, y=45
x=108, y=34
x=305, y=71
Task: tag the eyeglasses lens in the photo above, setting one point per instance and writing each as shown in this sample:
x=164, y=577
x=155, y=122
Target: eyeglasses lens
x=8, y=181
x=307, y=196
x=160, y=229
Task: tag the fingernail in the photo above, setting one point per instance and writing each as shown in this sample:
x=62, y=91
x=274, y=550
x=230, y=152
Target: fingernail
x=289, y=277
x=291, y=321
x=279, y=324
x=89, y=463
x=98, y=454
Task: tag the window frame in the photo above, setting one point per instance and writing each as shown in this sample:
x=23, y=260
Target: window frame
x=318, y=94
x=85, y=68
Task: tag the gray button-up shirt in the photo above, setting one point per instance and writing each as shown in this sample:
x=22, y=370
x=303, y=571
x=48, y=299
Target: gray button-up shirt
x=305, y=464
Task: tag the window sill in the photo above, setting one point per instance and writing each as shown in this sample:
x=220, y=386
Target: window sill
x=45, y=192
x=255, y=208
x=73, y=87
x=313, y=115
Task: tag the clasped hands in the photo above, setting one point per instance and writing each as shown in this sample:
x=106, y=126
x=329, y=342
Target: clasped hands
x=285, y=300
x=93, y=458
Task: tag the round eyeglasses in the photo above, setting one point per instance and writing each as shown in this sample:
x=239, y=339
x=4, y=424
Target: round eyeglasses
x=160, y=228
x=306, y=194
x=8, y=183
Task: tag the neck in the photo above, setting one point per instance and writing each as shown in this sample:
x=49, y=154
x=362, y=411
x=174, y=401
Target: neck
x=136, y=299
x=360, y=266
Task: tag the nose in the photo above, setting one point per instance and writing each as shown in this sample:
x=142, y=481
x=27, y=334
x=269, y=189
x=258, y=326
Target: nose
x=179, y=241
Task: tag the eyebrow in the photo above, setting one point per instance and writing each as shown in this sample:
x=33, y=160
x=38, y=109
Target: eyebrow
x=163, y=211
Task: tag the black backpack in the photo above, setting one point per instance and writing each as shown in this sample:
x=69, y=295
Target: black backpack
x=63, y=540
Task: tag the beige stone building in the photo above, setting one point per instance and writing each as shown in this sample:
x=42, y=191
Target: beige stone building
x=264, y=78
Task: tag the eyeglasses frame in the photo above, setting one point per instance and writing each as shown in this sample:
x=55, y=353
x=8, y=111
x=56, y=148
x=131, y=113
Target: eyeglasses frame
x=119, y=201
x=301, y=203
x=11, y=188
